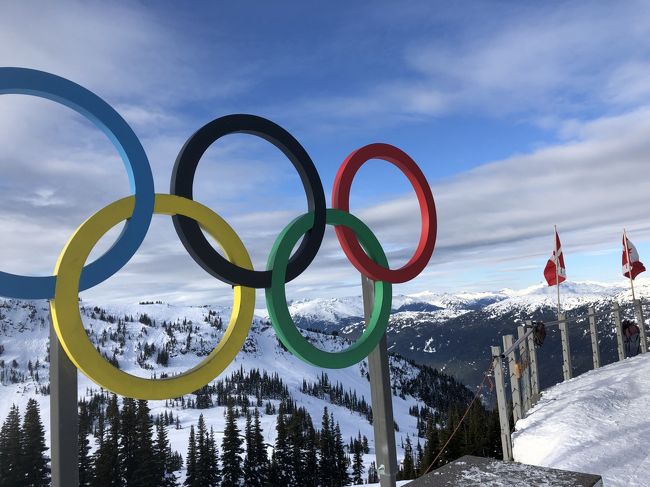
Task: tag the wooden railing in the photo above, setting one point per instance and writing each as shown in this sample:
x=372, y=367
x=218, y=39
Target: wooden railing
x=519, y=361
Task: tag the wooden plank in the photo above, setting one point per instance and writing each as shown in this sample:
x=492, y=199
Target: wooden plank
x=593, y=330
x=534, y=371
x=616, y=311
x=638, y=312
x=64, y=420
x=566, y=349
x=504, y=420
x=514, y=380
x=524, y=359
x=382, y=398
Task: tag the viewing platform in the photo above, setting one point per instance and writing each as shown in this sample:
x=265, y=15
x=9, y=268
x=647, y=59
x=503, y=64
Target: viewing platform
x=470, y=471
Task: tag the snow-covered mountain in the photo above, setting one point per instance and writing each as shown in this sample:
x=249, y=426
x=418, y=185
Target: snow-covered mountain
x=150, y=339
x=453, y=332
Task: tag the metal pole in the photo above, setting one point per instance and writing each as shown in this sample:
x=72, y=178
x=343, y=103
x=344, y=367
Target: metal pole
x=594, y=337
x=382, y=398
x=64, y=421
x=524, y=357
x=534, y=371
x=506, y=440
x=638, y=311
x=514, y=380
x=616, y=309
x=557, y=268
x=566, y=348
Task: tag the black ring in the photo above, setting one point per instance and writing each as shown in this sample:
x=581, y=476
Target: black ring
x=190, y=232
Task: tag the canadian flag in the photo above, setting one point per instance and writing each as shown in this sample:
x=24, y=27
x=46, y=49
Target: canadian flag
x=637, y=265
x=553, y=276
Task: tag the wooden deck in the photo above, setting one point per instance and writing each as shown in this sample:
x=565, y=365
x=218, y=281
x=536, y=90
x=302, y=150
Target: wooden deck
x=470, y=471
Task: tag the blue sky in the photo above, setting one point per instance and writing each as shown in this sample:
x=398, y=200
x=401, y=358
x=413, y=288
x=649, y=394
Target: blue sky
x=522, y=115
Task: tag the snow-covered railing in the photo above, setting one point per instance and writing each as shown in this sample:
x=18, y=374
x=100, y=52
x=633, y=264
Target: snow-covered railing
x=522, y=365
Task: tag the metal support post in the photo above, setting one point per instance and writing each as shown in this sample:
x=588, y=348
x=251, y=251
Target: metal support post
x=506, y=440
x=595, y=351
x=525, y=373
x=534, y=371
x=566, y=348
x=616, y=310
x=514, y=380
x=382, y=398
x=638, y=312
x=64, y=421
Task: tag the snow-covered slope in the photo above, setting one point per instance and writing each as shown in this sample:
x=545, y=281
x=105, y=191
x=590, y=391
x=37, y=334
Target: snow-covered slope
x=595, y=423
x=133, y=335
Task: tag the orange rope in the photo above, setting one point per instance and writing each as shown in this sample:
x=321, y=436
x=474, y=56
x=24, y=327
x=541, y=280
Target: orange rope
x=478, y=391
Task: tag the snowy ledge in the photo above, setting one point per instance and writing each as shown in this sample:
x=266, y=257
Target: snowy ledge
x=597, y=423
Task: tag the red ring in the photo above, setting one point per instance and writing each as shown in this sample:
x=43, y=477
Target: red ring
x=347, y=238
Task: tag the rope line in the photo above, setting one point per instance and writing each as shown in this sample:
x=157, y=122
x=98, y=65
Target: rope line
x=478, y=391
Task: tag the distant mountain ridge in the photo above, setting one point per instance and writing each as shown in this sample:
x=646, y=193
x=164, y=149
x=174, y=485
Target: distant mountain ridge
x=453, y=331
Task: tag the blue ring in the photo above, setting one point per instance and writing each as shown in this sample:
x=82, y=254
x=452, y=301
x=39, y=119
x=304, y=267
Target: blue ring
x=45, y=85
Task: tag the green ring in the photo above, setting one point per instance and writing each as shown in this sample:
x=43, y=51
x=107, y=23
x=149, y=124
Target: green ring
x=276, y=299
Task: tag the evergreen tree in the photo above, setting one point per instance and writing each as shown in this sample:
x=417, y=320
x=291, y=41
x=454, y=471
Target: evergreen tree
x=430, y=444
x=311, y=457
x=327, y=460
x=255, y=465
x=34, y=462
x=296, y=445
x=407, y=471
x=373, y=476
x=11, y=468
x=202, y=456
x=128, y=441
x=190, y=478
x=85, y=464
x=231, y=447
x=281, y=466
x=213, y=473
x=163, y=457
x=341, y=471
x=146, y=473
x=106, y=459
x=357, y=461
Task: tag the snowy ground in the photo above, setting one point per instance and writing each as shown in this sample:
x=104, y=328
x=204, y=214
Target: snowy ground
x=596, y=423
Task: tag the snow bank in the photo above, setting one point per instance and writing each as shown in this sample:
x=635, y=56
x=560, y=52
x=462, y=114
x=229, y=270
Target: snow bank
x=596, y=423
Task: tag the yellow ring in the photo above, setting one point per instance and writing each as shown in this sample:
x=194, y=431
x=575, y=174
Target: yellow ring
x=67, y=317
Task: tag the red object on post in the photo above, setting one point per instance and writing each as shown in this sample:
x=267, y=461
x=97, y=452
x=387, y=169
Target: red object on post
x=636, y=266
x=552, y=274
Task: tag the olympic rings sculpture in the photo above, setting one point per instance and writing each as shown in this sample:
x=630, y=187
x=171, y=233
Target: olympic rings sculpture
x=72, y=274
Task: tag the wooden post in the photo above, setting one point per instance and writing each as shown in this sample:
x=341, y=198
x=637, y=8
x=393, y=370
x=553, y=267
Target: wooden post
x=504, y=421
x=566, y=348
x=382, y=398
x=525, y=373
x=514, y=381
x=638, y=312
x=616, y=310
x=534, y=372
x=595, y=351
x=64, y=420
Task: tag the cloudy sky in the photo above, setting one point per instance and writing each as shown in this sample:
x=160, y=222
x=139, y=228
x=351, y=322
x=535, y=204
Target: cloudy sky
x=521, y=115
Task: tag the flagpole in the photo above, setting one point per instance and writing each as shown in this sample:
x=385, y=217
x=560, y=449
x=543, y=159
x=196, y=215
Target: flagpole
x=557, y=270
x=629, y=264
